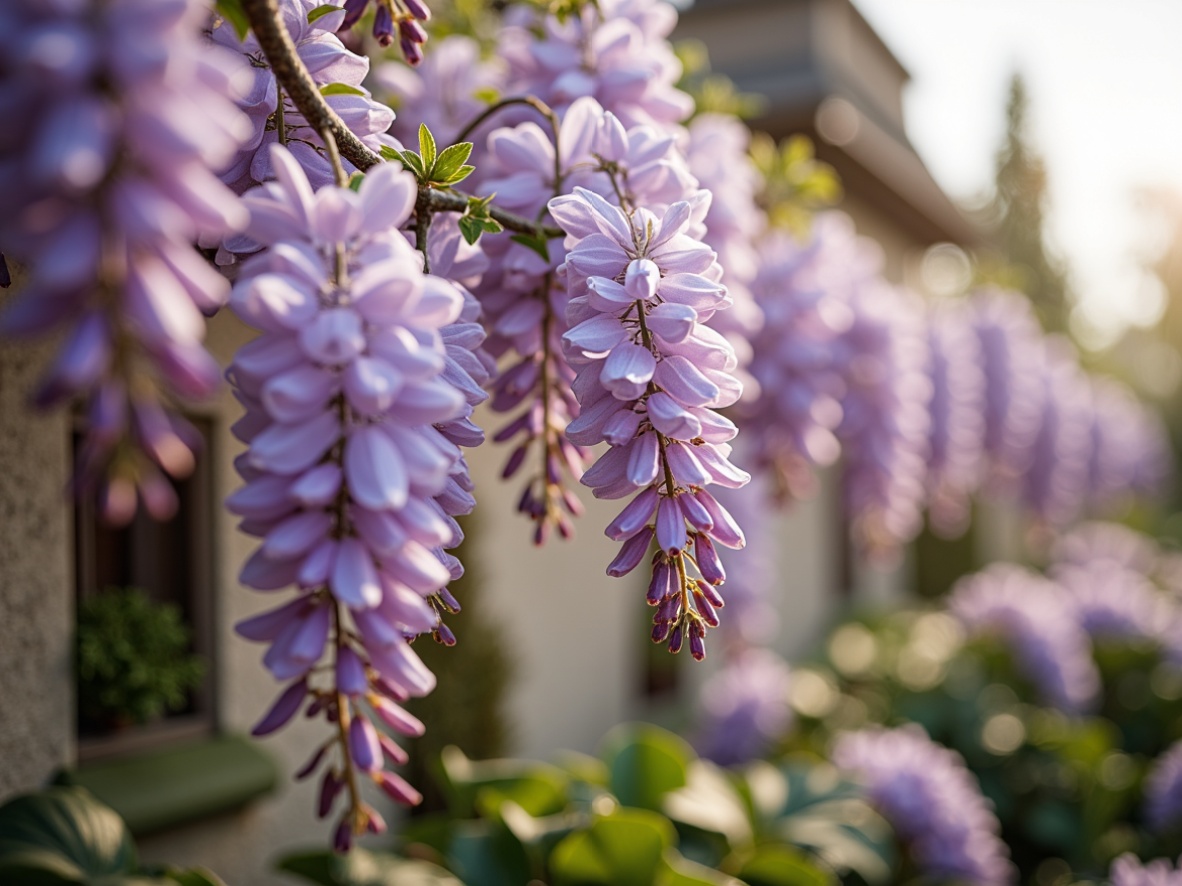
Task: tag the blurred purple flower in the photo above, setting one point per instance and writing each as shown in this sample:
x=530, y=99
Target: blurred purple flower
x=1128, y=870
x=1163, y=790
x=1037, y=620
x=743, y=709
x=932, y=801
x=123, y=112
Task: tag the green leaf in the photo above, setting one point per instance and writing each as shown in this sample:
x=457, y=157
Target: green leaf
x=481, y=785
x=459, y=175
x=488, y=854
x=680, y=871
x=340, y=89
x=775, y=864
x=389, y=153
x=710, y=802
x=451, y=160
x=537, y=244
x=412, y=162
x=62, y=835
x=623, y=848
x=646, y=763
x=321, y=11
x=426, y=147
x=194, y=877
x=231, y=11
x=355, y=181
x=487, y=94
x=471, y=229
x=361, y=867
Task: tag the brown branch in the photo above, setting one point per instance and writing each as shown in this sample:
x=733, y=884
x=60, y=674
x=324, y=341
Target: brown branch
x=293, y=77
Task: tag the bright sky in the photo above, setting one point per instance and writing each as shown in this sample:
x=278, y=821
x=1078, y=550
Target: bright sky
x=1105, y=85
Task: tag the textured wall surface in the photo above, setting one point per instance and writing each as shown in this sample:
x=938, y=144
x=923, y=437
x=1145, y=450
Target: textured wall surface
x=36, y=605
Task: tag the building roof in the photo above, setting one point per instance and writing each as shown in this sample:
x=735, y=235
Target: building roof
x=825, y=73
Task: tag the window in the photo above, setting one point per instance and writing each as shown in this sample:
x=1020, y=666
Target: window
x=172, y=563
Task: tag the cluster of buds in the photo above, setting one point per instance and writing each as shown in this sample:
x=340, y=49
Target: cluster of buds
x=388, y=14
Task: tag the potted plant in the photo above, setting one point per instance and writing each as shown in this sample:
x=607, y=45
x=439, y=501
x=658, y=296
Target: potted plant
x=133, y=660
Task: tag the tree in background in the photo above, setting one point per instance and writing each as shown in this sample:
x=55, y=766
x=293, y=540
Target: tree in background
x=1015, y=216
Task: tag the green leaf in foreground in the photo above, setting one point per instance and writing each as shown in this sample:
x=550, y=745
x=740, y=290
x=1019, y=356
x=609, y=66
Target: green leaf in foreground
x=321, y=11
x=231, y=11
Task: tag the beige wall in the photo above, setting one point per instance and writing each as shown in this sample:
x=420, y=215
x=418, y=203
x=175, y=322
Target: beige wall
x=36, y=605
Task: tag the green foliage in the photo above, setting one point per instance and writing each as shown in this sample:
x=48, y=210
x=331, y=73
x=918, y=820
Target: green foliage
x=434, y=168
x=321, y=11
x=796, y=184
x=63, y=836
x=361, y=867
x=1065, y=788
x=712, y=93
x=132, y=658
x=232, y=12
x=476, y=221
x=1017, y=219
x=646, y=811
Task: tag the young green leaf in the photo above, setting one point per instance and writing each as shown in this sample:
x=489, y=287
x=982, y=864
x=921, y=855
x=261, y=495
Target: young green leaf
x=471, y=228
x=462, y=173
x=412, y=162
x=340, y=89
x=355, y=181
x=231, y=11
x=321, y=11
x=450, y=160
x=389, y=153
x=426, y=147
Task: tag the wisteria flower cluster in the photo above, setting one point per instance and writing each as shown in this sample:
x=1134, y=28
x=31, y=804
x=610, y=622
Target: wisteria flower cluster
x=932, y=801
x=107, y=180
x=404, y=15
x=349, y=482
x=339, y=74
x=649, y=379
x=1037, y=619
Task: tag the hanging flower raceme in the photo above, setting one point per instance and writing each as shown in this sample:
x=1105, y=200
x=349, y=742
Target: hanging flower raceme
x=650, y=376
x=957, y=411
x=1036, y=619
x=885, y=421
x=1130, y=448
x=117, y=114
x=792, y=425
x=717, y=152
x=1011, y=344
x=1055, y=484
x=932, y=801
x=347, y=477
x=337, y=72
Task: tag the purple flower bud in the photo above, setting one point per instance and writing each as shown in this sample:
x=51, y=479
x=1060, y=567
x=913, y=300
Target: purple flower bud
x=342, y=840
x=418, y=9
x=374, y=823
x=354, y=9
x=698, y=642
x=660, y=631
x=675, y=640
x=397, y=718
x=705, y=609
x=411, y=31
x=710, y=593
x=631, y=553
x=330, y=786
x=351, y=678
x=669, y=609
x=671, y=537
x=393, y=751
x=397, y=789
x=707, y=558
x=313, y=763
x=363, y=744
x=443, y=634
x=660, y=585
x=383, y=25
x=284, y=708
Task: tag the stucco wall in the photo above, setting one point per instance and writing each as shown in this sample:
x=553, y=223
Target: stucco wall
x=36, y=606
